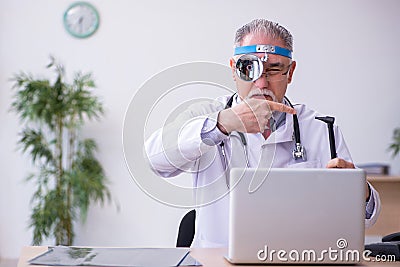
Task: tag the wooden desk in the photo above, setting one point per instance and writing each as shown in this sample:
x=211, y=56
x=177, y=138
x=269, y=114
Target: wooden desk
x=209, y=257
x=388, y=221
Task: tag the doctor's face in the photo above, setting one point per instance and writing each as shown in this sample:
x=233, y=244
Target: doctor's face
x=262, y=87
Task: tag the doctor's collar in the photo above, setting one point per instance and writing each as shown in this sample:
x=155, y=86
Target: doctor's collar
x=263, y=48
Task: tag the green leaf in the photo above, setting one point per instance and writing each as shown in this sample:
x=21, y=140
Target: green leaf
x=88, y=180
x=395, y=146
x=36, y=143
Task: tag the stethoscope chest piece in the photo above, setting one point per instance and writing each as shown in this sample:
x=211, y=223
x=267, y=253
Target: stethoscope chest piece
x=299, y=152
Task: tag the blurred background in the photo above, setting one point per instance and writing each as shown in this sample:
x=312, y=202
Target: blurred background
x=347, y=66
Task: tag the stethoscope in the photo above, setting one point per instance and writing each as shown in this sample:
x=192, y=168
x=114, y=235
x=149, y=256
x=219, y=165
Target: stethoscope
x=298, y=153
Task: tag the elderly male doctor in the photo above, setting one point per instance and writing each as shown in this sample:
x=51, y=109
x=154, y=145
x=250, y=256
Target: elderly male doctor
x=253, y=128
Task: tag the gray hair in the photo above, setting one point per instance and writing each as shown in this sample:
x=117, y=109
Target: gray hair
x=271, y=29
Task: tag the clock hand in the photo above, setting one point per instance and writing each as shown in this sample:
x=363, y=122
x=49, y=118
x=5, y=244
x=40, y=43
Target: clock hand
x=80, y=21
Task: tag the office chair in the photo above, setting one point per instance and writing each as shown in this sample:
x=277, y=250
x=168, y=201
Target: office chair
x=186, y=229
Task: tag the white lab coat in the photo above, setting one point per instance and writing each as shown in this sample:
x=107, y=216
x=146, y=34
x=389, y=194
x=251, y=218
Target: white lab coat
x=179, y=147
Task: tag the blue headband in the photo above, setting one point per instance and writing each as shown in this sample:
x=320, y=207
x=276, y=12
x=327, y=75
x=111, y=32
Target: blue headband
x=270, y=49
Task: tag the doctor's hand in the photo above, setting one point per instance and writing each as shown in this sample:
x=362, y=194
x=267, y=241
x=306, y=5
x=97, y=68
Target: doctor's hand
x=250, y=116
x=340, y=163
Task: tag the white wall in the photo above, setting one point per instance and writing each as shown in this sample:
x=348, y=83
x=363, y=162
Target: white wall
x=347, y=54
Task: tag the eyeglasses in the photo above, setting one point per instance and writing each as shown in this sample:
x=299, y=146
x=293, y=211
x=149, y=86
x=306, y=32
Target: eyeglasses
x=250, y=68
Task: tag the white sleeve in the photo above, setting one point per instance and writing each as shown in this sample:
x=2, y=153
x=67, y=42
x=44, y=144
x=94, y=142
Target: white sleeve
x=376, y=207
x=175, y=148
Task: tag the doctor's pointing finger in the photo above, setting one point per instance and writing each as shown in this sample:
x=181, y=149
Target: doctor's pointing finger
x=250, y=116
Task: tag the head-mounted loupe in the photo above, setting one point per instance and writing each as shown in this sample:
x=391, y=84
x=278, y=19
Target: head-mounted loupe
x=249, y=67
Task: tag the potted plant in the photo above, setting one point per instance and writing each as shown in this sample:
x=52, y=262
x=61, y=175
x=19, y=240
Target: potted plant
x=69, y=177
x=395, y=146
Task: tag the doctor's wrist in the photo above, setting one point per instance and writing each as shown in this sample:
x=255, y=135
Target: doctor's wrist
x=223, y=121
x=222, y=129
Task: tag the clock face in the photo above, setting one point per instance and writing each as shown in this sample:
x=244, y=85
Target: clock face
x=81, y=19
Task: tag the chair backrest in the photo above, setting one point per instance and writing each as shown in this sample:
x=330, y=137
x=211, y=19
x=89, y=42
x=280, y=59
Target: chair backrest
x=186, y=229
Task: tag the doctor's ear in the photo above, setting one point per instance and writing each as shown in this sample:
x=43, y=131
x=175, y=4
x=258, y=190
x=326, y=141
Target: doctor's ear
x=291, y=71
x=232, y=65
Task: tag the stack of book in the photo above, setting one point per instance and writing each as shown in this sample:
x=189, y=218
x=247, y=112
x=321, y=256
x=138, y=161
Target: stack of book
x=375, y=168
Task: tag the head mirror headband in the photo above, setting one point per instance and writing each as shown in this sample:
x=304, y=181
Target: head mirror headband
x=270, y=49
x=250, y=67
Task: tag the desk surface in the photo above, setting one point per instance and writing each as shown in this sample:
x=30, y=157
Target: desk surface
x=383, y=178
x=207, y=256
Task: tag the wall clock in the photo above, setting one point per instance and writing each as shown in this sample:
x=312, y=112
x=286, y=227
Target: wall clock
x=81, y=19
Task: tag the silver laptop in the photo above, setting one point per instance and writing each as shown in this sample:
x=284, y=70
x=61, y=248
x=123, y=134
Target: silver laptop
x=300, y=216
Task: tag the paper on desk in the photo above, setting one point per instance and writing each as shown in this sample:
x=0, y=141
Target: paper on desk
x=122, y=257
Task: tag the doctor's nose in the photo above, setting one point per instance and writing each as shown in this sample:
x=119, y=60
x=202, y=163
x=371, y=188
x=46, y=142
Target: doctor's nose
x=262, y=82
